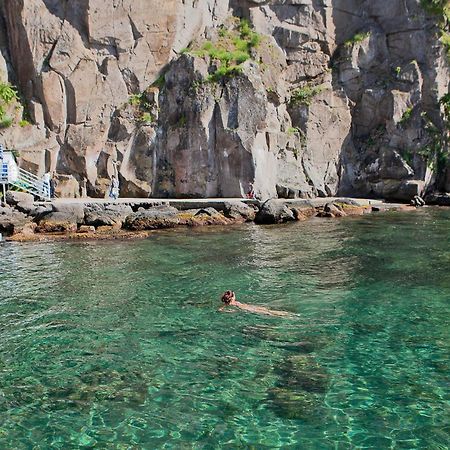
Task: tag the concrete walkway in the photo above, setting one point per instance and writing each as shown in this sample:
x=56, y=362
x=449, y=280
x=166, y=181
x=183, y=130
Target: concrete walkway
x=217, y=203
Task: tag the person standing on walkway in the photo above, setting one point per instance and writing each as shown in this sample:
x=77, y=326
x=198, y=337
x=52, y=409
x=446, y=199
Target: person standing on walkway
x=251, y=191
x=114, y=188
x=83, y=188
x=52, y=185
x=46, y=184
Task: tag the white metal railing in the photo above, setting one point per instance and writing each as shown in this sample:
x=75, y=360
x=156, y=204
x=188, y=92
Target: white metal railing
x=12, y=174
x=3, y=172
x=31, y=183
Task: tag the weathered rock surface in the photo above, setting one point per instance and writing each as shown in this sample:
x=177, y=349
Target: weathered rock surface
x=272, y=212
x=336, y=98
x=303, y=212
x=106, y=215
x=57, y=222
x=332, y=210
x=11, y=220
x=168, y=217
x=15, y=197
x=73, y=211
x=438, y=199
x=239, y=211
x=153, y=218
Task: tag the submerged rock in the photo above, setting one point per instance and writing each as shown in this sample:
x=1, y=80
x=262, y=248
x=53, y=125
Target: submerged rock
x=299, y=405
x=302, y=372
x=300, y=347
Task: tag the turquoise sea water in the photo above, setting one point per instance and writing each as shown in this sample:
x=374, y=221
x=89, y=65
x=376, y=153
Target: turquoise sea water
x=120, y=345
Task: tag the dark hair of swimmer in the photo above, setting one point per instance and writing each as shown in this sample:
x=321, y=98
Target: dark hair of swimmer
x=228, y=297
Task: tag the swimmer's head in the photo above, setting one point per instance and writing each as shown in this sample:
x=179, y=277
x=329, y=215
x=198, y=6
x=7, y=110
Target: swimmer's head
x=228, y=297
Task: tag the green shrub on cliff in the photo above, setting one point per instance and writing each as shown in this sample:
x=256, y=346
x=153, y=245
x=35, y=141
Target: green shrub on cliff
x=232, y=47
x=406, y=116
x=304, y=95
x=8, y=95
x=146, y=118
x=6, y=122
x=440, y=9
x=357, y=38
x=445, y=41
x=437, y=151
x=142, y=108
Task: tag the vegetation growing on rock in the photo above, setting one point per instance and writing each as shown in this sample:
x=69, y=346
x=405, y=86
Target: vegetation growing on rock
x=356, y=39
x=143, y=107
x=8, y=95
x=406, y=115
x=437, y=151
x=441, y=10
x=305, y=94
x=232, y=46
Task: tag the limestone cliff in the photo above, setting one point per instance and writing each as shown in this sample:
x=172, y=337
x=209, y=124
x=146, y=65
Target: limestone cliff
x=203, y=97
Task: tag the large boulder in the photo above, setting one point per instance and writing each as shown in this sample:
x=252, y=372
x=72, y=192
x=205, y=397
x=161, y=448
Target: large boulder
x=273, y=211
x=151, y=219
x=168, y=217
x=303, y=211
x=239, y=211
x=408, y=189
x=201, y=217
x=106, y=215
x=34, y=210
x=57, y=222
x=12, y=221
x=437, y=198
x=73, y=211
x=15, y=197
x=332, y=210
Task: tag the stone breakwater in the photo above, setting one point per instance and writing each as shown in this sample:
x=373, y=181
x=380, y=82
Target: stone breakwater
x=23, y=219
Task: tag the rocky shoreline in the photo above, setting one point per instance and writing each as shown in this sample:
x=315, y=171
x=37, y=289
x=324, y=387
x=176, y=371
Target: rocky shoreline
x=23, y=219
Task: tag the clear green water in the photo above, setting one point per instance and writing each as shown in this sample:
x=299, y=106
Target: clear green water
x=120, y=344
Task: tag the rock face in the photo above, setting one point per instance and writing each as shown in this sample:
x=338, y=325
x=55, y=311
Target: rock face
x=335, y=97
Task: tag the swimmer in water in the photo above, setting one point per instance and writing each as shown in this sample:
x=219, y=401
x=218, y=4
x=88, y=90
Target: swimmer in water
x=229, y=299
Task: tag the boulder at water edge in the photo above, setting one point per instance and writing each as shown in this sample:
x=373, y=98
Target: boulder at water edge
x=239, y=211
x=273, y=211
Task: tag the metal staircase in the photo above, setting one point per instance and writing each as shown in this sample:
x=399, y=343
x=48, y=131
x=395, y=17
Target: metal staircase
x=30, y=183
x=12, y=175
